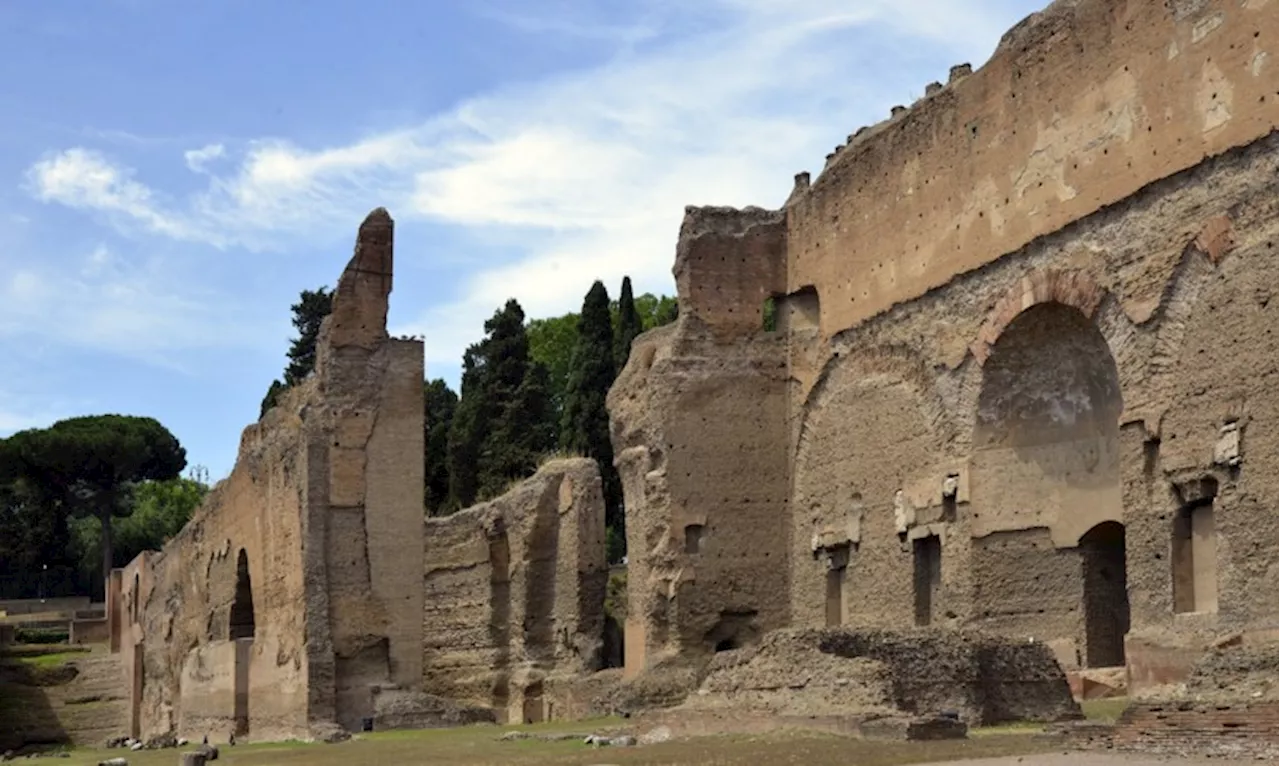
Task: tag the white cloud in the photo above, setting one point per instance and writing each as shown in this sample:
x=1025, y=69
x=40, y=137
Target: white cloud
x=198, y=159
x=107, y=302
x=81, y=178
x=592, y=168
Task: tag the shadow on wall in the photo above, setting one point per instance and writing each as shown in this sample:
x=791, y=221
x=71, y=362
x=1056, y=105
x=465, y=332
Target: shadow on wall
x=1051, y=379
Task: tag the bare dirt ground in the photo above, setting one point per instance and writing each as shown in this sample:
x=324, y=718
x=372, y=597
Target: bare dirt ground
x=481, y=746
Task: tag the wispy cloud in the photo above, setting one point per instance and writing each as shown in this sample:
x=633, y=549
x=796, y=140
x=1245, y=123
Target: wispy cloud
x=105, y=302
x=592, y=168
x=85, y=179
x=198, y=159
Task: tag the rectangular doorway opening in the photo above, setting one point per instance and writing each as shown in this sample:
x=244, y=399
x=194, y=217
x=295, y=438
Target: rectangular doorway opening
x=837, y=560
x=1195, y=559
x=927, y=560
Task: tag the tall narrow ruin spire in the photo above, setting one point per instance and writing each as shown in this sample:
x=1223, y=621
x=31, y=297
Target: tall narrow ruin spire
x=359, y=316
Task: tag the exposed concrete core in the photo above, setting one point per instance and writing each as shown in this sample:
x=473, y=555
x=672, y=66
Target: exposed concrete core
x=515, y=593
x=873, y=674
x=1025, y=337
x=294, y=597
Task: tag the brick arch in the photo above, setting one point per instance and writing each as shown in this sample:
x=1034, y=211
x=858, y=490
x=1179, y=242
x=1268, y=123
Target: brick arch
x=1069, y=287
x=893, y=361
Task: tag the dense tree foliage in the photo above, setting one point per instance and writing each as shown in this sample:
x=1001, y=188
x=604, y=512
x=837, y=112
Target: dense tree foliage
x=441, y=403
x=308, y=313
x=551, y=340
x=551, y=344
x=88, y=466
x=499, y=429
x=160, y=509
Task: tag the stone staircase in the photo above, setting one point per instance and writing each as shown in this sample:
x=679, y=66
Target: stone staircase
x=80, y=700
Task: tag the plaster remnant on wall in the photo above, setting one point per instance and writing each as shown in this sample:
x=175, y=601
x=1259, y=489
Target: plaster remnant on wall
x=1258, y=63
x=1081, y=134
x=1214, y=97
x=903, y=514
x=1226, y=451
x=1205, y=26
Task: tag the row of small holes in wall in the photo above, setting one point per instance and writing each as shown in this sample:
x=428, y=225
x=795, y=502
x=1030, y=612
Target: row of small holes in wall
x=973, y=130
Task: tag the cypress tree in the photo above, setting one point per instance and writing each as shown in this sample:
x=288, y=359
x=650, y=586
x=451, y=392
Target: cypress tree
x=485, y=444
x=522, y=436
x=310, y=310
x=585, y=425
x=629, y=325
x=440, y=403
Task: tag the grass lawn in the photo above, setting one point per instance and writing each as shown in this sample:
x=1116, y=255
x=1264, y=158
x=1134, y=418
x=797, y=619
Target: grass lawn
x=473, y=746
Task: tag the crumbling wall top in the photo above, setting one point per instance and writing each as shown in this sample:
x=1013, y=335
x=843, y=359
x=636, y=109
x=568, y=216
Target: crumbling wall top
x=359, y=315
x=728, y=261
x=1081, y=105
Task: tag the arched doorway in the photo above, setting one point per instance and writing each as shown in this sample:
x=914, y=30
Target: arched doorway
x=241, y=622
x=1105, y=600
x=1045, y=487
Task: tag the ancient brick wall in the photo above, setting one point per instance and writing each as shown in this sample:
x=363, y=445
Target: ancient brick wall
x=699, y=428
x=295, y=590
x=1081, y=106
x=514, y=593
x=1028, y=330
x=1095, y=352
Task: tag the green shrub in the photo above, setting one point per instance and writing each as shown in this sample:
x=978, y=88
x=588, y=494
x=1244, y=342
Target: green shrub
x=41, y=635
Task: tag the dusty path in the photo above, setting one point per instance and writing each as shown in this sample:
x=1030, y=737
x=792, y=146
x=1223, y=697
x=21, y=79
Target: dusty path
x=1090, y=759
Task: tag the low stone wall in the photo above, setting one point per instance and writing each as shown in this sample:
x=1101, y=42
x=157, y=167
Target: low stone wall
x=90, y=631
x=979, y=679
x=1228, y=707
x=1242, y=729
x=514, y=593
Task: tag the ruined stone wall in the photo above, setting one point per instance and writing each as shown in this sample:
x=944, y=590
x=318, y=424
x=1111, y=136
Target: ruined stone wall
x=514, y=593
x=899, y=408
x=294, y=592
x=1047, y=330
x=1080, y=107
x=699, y=428
x=177, y=603
x=854, y=673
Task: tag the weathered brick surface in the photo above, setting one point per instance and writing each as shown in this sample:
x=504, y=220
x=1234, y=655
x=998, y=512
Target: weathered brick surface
x=1028, y=322
x=1230, y=729
x=514, y=593
x=323, y=513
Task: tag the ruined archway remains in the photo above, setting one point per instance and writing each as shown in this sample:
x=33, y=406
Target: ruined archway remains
x=1045, y=471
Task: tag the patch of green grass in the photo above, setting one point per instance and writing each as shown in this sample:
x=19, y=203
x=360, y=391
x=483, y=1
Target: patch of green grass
x=36, y=650
x=1105, y=710
x=50, y=660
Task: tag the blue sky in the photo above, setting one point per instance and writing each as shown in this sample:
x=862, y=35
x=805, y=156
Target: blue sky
x=173, y=173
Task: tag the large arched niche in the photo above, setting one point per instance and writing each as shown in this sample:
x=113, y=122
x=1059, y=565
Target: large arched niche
x=869, y=430
x=1046, y=430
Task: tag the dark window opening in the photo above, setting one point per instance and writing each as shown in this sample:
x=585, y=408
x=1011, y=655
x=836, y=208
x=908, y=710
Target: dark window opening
x=927, y=555
x=693, y=538
x=242, y=623
x=1106, y=595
